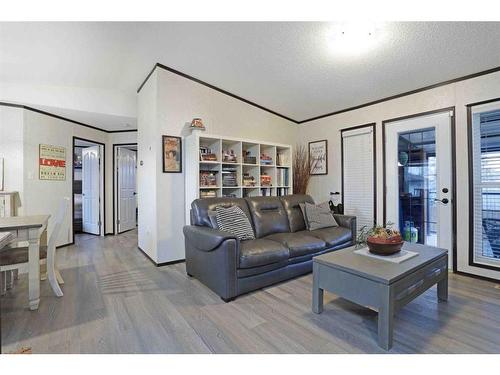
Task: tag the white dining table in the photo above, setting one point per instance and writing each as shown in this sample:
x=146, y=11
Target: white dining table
x=31, y=228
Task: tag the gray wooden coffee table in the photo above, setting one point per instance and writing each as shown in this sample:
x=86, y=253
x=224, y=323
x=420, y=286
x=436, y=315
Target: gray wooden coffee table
x=378, y=284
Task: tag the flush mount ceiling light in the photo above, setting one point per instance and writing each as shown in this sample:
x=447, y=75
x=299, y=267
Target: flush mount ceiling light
x=354, y=38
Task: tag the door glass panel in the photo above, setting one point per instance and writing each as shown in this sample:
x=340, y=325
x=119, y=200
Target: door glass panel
x=417, y=186
x=486, y=139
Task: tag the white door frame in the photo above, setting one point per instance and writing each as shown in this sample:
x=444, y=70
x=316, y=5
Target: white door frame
x=116, y=146
x=102, y=173
x=452, y=255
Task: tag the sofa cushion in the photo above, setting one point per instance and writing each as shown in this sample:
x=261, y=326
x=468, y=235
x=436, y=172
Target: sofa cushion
x=254, y=253
x=293, y=211
x=268, y=215
x=298, y=243
x=200, y=209
x=333, y=236
x=317, y=216
x=233, y=220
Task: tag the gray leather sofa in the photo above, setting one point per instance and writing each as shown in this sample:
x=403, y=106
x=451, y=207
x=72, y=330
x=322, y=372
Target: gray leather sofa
x=283, y=247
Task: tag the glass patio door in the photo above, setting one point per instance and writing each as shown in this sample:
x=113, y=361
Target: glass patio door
x=419, y=179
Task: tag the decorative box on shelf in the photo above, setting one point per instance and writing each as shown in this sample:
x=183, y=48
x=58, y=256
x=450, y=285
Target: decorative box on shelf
x=229, y=156
x=266, y=159
x=208, y=178
x=206, y=154
x=248, y=181
x=265, y=180
x=248, y=158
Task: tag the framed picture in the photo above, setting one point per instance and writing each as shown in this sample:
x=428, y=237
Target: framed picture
x=52, y=163
x=318, y=157
x=172, y=154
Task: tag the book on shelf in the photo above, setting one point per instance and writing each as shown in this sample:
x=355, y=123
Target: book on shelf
x=208, y=193
x=282, y=159
x=281, y=191
x=282, y=177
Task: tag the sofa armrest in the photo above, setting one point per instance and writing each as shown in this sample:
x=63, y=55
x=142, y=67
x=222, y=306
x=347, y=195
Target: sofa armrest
x=347, y=221
x=205, y=238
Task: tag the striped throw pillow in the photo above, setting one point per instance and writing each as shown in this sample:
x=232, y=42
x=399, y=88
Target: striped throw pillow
x=235, y=221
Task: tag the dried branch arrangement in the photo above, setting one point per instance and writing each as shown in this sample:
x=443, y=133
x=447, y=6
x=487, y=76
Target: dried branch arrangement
x=301, y=170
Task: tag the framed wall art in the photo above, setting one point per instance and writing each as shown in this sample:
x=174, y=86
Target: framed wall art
x=52, y=163
x=318, y=157
x=172, y=154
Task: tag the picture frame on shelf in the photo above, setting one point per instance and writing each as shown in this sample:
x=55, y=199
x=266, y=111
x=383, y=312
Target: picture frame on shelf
x=172, y=154
x=318, y=157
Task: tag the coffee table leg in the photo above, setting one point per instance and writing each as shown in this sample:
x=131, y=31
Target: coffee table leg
x=385, y=318
x=317, y=300
x=442, y=289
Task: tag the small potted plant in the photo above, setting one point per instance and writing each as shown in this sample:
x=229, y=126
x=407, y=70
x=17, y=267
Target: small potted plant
x=381, y=240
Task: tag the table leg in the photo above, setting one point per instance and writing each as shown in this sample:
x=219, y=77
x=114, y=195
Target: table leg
x=317, y=301
x=385, y=318
x=34, y=269
x=442, y=288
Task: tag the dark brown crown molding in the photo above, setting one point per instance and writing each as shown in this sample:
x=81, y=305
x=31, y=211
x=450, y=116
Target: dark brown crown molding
x=425, y=88
x=5, y=104
x=171, y=70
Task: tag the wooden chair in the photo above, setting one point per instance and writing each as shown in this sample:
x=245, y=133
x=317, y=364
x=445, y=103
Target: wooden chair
x=15, y=256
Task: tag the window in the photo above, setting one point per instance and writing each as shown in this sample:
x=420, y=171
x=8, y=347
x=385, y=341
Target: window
x=358, y=174
x=485, y=194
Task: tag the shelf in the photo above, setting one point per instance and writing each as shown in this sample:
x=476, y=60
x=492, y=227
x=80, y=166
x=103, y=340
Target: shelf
x=250, y=165
x=231, y=187
x=267, y=165
x=283, y=166
x=251, y=187
x=209, y=162
x=209, y=187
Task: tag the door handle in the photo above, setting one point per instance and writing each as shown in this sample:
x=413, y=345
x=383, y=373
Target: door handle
x=443, y=201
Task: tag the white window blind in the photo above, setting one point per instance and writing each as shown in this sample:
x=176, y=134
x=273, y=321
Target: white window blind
x=486, y=184
x=358, y=175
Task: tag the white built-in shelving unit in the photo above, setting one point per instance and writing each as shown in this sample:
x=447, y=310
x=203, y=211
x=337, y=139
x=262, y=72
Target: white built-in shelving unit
x=234, y=163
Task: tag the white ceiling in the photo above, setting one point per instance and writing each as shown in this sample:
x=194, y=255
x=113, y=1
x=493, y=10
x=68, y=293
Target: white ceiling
x=286, y=67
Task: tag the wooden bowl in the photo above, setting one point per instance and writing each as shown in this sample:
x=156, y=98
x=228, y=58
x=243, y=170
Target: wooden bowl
x=383, y=246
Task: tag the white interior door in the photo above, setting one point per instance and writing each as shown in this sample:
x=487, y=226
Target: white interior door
x=90, y=190
x=419, y=179
x=127, y=198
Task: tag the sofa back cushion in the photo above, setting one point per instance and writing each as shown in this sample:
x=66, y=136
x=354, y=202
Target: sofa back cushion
x=268, y=215
x=200, y=209
x=293, y=211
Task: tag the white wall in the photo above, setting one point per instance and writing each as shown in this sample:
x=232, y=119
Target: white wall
x=178, y=101
x=148, y=145
x=21, y=133
x=457, y=94
x=11, y=149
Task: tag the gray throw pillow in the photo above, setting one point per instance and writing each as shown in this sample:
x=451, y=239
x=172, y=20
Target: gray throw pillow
x=318, y=216
x=235, y=221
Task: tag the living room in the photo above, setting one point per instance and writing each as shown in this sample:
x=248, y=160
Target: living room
x=250, y=187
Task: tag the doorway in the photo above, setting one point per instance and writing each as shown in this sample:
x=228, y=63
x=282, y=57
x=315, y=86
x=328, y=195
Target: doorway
x=124, y=187
x=88, y=186
x=419, y=176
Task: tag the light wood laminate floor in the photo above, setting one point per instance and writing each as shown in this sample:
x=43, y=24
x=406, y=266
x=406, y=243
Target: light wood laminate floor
x=116, y=301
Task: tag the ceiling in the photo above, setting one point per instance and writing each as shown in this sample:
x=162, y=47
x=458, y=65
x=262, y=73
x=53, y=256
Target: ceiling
x=287, y=67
